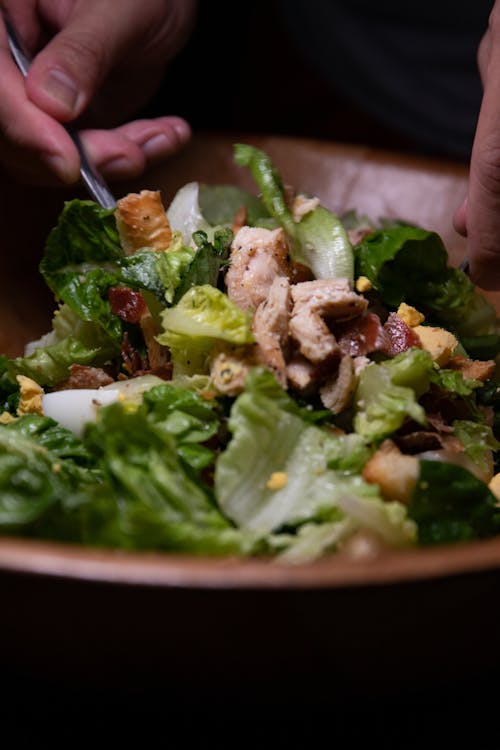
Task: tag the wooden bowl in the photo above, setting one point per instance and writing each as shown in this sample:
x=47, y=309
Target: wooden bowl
x=403, y=618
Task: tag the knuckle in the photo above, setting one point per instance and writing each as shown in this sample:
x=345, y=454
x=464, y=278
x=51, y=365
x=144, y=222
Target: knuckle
x=488, y=166
x=82, y=51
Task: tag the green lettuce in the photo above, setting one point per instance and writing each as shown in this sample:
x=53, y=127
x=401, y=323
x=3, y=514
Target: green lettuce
x=450, y=504
x=220, y=203
x=71, y=341
x=202, y=318
x=319, y=240
x=149, y=498
x=83, y=259
x=387, y=393
x=270, y=439
x=478, y=441
x=408, y=264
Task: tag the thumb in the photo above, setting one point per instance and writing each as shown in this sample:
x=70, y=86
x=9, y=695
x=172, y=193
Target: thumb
x=66, y=74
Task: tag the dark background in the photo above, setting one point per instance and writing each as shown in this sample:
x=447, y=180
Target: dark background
x=242, y=71
x=249, y=68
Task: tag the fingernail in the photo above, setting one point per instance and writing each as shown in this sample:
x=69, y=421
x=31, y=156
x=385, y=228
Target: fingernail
x=183, y=131
x=60, y=87
x=119, y=167
x=157, y=145
x=61, y=168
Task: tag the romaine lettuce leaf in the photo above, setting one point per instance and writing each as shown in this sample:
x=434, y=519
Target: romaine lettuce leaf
x=478, y=441
x=150, y=501
x=450, y=505
x=203, y=317
x=387, y=393
x=319, y=240
x=270, y=440
x=410, y=264
x=219, y=204
x=185, y=216
x=38, y=480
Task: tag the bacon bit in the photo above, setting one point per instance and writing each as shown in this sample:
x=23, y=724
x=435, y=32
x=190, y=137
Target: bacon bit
x=132, y=360
x=240, y=219
x=299, y=273
x=361, y=335
x=157, y=354
x=476, y=369
x=127, y=304
x=83, y=376
x=400, y=336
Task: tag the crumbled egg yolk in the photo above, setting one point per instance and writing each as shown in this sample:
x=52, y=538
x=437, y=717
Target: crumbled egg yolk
x=277, y=480
x=6, y=418
x=494, y=486
x=363, y=284
x=438, y=342
x=30, y=399
x=411, y=316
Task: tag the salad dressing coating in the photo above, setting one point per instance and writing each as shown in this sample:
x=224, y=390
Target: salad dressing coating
x=252, y=375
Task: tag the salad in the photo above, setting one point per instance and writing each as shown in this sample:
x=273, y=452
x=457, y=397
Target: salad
x=251, y=375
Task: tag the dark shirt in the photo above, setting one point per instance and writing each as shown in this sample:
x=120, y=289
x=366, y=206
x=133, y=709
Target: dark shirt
x=410, y=65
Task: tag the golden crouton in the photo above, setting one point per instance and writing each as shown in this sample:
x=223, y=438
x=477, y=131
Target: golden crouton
x=142, y=222
x=395, y=473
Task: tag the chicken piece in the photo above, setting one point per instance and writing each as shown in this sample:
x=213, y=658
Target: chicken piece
x=270, y=328
x=229, y=370
x=476, y=369
x=316, y=301
x=395, y=473
x=142, y=222
x=302, y=375
x=336, y=394
x=258, y=255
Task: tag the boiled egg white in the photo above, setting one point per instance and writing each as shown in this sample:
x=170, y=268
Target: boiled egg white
x=74, y=407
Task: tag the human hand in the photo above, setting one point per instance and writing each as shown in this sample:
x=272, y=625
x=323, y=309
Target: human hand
x=95, y=62
x=478, y=218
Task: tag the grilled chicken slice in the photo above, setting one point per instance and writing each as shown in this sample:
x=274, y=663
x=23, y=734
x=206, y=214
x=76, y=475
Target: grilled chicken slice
x=270, y=328
x=336, y=394
x=315, y=302
x=258, y=255
x=142, y=222
x=302, y=375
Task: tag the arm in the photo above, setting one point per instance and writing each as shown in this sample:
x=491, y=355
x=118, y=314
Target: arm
x=101, y=61
x=478, y=217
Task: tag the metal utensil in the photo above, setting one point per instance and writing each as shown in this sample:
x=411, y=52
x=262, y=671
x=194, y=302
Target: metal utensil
x=92, y=180
x=465, y=266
